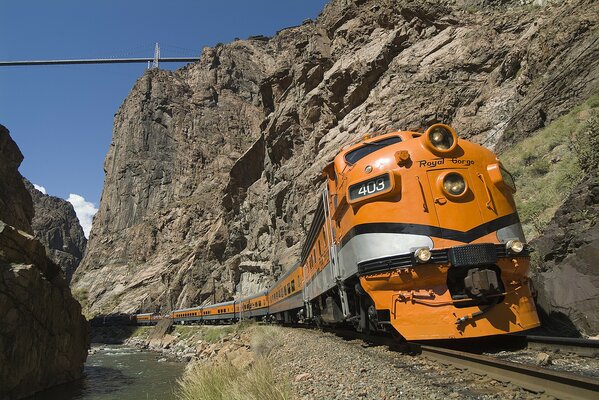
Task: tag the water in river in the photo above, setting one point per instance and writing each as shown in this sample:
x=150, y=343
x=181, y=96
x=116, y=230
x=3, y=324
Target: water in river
x=123, y=373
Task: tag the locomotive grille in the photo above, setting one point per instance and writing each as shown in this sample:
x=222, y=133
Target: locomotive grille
x=472, y=255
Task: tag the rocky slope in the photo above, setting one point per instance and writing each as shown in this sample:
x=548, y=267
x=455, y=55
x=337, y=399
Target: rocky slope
x=56, y=226
x=43, y=336
x=568, y=281
x=214, y=169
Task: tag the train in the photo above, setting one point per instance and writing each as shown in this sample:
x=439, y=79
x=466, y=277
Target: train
x=415, y=234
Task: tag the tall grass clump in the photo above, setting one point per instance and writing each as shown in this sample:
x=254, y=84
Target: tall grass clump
x=224, y=381
x=549, y=164
x=213, y=334
x=208, y=382
x=265, y=339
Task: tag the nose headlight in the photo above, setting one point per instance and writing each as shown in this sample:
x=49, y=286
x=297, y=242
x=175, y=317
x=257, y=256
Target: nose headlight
x=454, y=184
x=441, y=138
x=514, y=246
x=422, y=255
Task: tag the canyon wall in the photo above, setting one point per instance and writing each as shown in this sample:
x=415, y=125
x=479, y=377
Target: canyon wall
x=43, y=336
x=213, y=172
x=56, y=226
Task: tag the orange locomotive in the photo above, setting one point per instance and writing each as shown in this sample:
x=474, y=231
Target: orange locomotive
x=421, y=235
x=414, y=233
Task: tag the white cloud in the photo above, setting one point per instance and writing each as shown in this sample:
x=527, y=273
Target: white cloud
x=40, y=188
x=85, y=211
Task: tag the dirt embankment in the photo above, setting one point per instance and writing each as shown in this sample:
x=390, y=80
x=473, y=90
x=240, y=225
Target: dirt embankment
x=242, y=360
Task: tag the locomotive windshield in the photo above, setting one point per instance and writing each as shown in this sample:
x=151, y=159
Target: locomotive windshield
x=356, y=155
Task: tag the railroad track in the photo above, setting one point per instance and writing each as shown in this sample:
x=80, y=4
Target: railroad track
x=563, y=385
x=582, y=347
x=559, y=384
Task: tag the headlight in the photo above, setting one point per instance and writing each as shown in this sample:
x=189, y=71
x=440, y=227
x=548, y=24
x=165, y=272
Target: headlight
x=441, y=138
x=514, y=246
x=422, y=255
x=454, y=184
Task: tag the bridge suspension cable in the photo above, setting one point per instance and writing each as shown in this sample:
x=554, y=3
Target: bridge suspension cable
x=155, y=61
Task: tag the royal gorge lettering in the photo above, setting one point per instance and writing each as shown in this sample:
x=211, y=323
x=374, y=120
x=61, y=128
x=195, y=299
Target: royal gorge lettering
x=435, y=162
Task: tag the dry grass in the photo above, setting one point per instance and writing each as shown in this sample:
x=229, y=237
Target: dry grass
x=142, y=332
x=264, y=340
x=549, y=164
x=224, y=381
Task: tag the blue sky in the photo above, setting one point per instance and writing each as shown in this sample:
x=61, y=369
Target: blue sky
x=61, y=116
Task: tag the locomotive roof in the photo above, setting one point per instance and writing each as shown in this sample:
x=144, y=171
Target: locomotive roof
x=373, y=138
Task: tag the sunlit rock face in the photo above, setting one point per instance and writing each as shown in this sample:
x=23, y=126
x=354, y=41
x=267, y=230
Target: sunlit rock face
x=43, y=336
x=214, y=170
x=56, y=226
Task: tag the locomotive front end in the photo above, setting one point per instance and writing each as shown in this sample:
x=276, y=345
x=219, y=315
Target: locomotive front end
x=430, y=222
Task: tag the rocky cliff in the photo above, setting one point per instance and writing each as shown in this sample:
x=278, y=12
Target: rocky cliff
x=56, y=226
x=214, y=169
x=43, y=336
x=568, y=278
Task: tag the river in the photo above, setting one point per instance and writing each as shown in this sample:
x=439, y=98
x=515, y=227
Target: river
x=123, y=373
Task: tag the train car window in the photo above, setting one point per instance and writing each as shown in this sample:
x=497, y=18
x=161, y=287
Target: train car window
x=368, y=148
x=293, y=285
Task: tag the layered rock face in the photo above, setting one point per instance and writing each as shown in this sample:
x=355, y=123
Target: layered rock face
x=214, y=169
x=56, y=226
x=16, y=214
x=568, y=282
x=43, y=336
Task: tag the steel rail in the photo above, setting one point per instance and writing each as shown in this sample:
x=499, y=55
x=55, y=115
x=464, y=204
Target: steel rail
x=97, y=61
x=583, y=347
x=563, y=385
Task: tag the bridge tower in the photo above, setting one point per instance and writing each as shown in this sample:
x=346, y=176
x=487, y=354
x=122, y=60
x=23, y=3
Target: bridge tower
x=156, y=56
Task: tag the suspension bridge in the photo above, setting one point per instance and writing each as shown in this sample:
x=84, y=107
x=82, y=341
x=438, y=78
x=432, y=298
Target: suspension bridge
x=153, y=62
